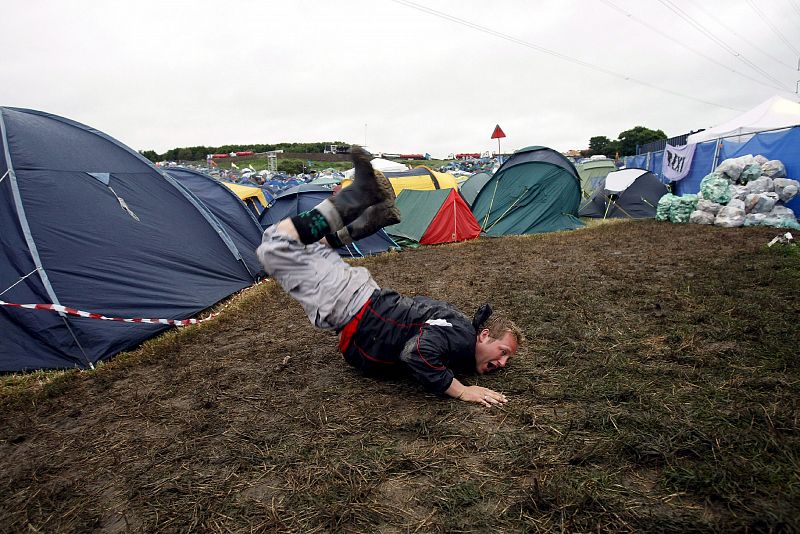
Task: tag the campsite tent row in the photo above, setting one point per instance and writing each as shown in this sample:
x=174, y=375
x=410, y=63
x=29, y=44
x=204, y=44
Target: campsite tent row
x=127, y=240
x=535, y=190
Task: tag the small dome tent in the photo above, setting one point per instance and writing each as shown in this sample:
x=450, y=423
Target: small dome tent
x=432, y=217
x=379, y=164
x=628, y=193
x=89, y=224
x=592, y=173
x=253, y=196
x=535, y=190
x=470, y=187
x=304, y=197
x=421, y=179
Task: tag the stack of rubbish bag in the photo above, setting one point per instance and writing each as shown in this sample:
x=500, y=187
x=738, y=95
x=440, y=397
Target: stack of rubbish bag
x=744, y=191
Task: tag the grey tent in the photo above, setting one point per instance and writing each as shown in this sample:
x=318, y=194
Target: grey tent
x=629, y=193
x=470, y=187
x=592, y=173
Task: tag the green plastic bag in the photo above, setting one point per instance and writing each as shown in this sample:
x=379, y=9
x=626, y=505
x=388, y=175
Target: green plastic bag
x=751, y=172
x=664, y=204
x=716, y=188
x=681, y=208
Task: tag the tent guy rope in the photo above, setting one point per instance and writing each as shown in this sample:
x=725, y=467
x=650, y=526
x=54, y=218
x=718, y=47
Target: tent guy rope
x=18, y=281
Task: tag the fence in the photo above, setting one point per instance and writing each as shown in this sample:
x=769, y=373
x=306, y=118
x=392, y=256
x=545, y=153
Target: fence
x=783, y=145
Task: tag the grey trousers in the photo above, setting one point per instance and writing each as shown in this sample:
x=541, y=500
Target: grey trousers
x=330, y=291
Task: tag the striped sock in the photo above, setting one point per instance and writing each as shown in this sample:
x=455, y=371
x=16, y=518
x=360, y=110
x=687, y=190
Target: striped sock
x=311, y=226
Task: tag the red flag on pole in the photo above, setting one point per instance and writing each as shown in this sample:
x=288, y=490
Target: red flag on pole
x=498, y=132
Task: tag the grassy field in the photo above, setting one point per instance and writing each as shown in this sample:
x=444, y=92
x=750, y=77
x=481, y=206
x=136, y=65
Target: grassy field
x=659, y=391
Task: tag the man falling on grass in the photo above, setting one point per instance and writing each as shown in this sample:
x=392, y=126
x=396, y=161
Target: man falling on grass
x=379, y=329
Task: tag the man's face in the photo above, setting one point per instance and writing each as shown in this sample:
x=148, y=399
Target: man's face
x=492, y=354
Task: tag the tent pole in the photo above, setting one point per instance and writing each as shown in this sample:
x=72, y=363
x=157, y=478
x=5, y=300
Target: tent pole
x=491, y=203
x=608, y=205
x=33, y=250
x=716, y=155
x=455, y=221
x=509, y=208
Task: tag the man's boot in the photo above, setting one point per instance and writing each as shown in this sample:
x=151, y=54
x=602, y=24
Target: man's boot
x=373, y=219
x=369, y=187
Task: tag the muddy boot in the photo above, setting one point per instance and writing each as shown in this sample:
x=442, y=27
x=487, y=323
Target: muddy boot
x=369, y=187
x=373, y=219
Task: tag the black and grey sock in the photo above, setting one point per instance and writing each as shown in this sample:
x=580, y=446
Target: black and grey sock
x=311, y=226
x=341, y=238
x=333, y=240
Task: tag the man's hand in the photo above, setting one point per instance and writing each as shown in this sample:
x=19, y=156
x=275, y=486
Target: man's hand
x=477, y=394
x=484, y=396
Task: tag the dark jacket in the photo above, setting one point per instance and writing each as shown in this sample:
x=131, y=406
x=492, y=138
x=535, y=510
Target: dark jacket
x=427, y=338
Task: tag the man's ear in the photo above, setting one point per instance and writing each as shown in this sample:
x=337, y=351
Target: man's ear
x=483, y=336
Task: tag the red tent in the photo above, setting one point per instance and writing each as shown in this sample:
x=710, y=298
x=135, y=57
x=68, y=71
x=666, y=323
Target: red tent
x=431, y=217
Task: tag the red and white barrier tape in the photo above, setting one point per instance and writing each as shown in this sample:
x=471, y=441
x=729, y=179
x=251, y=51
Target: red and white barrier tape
x=79, y=313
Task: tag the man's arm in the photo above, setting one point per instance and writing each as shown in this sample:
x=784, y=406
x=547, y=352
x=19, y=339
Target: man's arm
x=478, y=394
x=422, y=355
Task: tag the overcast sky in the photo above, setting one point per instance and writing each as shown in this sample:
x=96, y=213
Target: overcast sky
x=397, y=75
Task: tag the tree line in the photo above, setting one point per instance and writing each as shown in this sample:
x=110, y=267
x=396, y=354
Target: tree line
x=625, y=144
x=197, y=153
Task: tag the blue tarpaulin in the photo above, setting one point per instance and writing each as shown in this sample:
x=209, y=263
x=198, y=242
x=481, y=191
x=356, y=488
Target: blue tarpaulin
x=783, y=145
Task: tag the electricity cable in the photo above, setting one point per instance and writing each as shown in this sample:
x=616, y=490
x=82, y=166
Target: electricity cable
x=773, y=27
x=699, y=6
x=553, y=53
x=702, y=29
x=677, y=41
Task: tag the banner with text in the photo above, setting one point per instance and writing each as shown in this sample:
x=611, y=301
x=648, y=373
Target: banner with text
x=677, y=161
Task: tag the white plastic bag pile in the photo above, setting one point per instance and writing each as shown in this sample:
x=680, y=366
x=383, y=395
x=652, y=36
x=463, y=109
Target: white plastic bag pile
x=744, y=191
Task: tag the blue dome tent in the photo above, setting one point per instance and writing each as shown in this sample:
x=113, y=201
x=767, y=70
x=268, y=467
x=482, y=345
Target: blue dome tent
x=92, y=225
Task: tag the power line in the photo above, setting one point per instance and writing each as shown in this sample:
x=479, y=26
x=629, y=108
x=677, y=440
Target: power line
x=553, y=53
x=678, y=42
x=773, y=27
x=699, y=5
x=795, y=5
x=702, y=29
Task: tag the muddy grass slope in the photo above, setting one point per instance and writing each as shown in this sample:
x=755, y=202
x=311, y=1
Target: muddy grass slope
x=658, y=392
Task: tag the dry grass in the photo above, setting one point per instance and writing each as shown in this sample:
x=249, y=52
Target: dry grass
x=658, y=392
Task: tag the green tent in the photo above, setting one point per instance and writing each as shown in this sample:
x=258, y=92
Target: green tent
x=535, y=190
x=432, y=217
x=472, y=186
x=592, y=173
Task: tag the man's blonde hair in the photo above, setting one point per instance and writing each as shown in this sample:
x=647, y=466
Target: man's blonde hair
x=499, y=325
